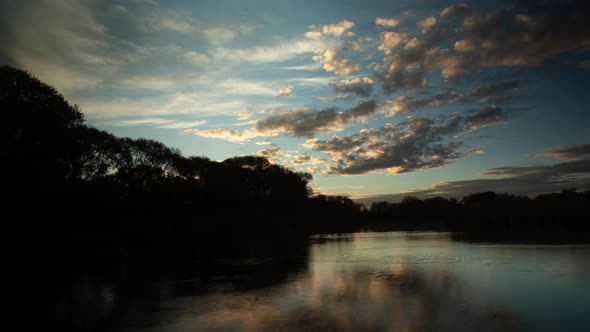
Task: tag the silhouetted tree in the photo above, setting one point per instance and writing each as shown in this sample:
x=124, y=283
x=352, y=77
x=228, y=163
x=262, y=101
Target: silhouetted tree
x=35, y=132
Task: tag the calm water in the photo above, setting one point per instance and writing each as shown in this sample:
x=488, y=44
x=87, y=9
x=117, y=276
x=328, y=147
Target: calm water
x=394, y=281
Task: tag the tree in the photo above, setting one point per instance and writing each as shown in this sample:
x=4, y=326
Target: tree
x=35, y=131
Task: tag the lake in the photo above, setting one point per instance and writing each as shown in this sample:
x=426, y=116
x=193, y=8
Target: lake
x=383, y=281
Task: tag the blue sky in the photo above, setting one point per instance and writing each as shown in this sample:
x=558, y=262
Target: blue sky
x=377, y=99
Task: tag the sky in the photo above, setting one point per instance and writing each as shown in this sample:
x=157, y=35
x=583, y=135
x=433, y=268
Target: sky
x=376, y=99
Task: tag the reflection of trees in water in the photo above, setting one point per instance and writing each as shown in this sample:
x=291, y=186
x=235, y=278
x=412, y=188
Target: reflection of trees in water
x=398, y=301
x=138, y=288
x=341, y=298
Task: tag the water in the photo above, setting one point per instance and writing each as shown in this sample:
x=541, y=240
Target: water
x=395, y=281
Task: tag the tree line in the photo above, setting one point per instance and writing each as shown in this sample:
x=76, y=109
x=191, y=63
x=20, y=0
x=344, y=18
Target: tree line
x=56, y=169
x=53, y=164
x=489, y=212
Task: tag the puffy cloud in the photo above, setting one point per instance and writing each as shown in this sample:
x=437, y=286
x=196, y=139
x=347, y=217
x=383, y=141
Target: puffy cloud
x=465, y=46
x=284, y=91
x=426, y=24
x=293, y=160
x=333, y=62
x=231, y=135
x=301, y=123
x=337, y=29
x=568, y=152
x=392, y=40
x=527, y=35
x=456, y=12
x=523, y=35
x=272, y=153
x=417, y=143
x=314, y=34
x=405, y=104
x=297, y=123
x=406, y=60
x=301, y=160
x=361, y=86
x=387, y=22
x=404, y=147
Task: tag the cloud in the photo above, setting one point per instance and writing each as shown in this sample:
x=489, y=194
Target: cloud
x=245, y=115
x=531, y=180
x=298, y=123
x=524, y=35
x=417, y=143
x=361, y=86
x=405, y=147
x=279, y=52
x=195, y=58
x=496, y=92
x=390, y=41
x=158, y=123
x=61, y=42
x=484, y=117
x=286, y=90
x=307, y=124
x=585, y=64
x=294, y=160
x=311, y=81
x=426, y=24
x=568, y=152
x=272, y=152
x=245, y=87
x=339, y=96
x=405, y=104
x=158, y=83
x=220, y=35
x=475, y=151
x=314, y=34
x=546, y=172
x=387, y=22
x=307, y=67
x=465, y=46
x=518, y=180
x=231, y=135
x=333, y=62
x=338, y=29
x=201, y=103
x=456, y=12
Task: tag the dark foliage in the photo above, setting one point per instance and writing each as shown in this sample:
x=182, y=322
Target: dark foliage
x=490, y=212
x=55, y=167
x=58, y=172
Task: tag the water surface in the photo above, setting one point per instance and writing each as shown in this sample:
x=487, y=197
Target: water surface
x=397, y=281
